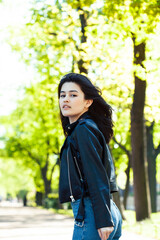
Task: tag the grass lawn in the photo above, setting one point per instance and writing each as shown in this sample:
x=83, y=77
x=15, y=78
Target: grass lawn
x=63, y=211
x=148, y=227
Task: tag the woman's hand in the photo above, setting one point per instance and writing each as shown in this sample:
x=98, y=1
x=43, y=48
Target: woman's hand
x=105, y=232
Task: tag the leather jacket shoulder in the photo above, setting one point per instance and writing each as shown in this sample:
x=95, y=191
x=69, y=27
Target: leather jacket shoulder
x=91, y=132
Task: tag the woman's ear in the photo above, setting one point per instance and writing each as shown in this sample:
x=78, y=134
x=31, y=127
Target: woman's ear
x=89, y=102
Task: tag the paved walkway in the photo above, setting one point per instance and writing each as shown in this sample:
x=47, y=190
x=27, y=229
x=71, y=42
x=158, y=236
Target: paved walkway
x=27, y=223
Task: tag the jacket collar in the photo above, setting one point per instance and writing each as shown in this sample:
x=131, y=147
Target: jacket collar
x=70, y=127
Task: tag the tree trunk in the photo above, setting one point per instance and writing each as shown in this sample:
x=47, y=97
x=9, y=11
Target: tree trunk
x=127, y=183
x=116, y=199
x=47, y=183
x=151, y=167
x=39, y=198
x=83, y=20
x=25, y=200
x=138, y=141
x=127, y=171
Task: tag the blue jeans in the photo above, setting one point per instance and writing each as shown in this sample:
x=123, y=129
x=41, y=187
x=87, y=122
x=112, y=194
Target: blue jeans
x=87, y=230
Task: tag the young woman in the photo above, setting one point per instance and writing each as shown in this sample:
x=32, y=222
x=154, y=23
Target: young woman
x=87, y=176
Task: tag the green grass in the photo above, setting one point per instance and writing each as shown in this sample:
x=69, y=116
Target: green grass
x=63, y=211
x=147, y=227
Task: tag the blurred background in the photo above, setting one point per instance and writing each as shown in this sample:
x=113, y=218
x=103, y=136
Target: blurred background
x=116, y=44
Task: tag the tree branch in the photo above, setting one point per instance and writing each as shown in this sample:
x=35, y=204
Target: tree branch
x=32, y=156
x=122, y=147
x=52, y=170
x=157, y=151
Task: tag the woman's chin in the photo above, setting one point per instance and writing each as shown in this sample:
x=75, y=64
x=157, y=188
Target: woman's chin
x=65, y=114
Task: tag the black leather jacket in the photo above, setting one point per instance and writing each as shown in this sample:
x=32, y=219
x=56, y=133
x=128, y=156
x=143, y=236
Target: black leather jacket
x=85, y=155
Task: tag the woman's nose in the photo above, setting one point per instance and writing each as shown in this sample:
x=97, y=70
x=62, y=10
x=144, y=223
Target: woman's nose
x=66, y=99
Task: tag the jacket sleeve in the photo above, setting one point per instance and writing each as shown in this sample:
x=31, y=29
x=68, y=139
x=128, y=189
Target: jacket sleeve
x=95, y=174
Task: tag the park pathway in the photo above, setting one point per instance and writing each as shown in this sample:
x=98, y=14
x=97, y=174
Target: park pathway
x=27, y=223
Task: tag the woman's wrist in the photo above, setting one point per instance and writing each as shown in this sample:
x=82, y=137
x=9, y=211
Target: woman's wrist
x=106, y=228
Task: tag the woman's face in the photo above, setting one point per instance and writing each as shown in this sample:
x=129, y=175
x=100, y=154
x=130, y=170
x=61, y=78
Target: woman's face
x=72, y=101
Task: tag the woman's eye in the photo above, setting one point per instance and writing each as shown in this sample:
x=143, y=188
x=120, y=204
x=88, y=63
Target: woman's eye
x=73, y=95
x=62, y=96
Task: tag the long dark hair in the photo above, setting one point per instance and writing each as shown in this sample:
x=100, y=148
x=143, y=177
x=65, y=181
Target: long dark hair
x=99, y=111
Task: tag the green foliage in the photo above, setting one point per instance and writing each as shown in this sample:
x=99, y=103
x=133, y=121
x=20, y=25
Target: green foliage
x=14, y=177
x=34, y=133
x=22, y=193
x=51, y=201
x=51, y=42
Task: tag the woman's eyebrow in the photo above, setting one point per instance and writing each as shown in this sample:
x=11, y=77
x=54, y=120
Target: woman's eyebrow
x=69, y=91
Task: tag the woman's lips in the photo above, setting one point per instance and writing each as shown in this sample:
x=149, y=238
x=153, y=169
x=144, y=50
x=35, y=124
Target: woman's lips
x=66, y=107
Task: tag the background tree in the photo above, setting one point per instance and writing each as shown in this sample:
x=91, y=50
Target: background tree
x=140, y=21
x=127, y=171
x=152, y=153
x=32, y=134
x=12, y=179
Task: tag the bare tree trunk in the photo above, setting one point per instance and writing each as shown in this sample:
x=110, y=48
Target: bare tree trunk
x=151, y=167
x=126, y=191
x=138, y=141
x=47, y=183
x=127, y=171
x=151, y=157
x=39, y=198
x=83, y=20
x=116, y=199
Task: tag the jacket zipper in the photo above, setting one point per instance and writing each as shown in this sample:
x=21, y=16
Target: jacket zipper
x=69, y=179
x=78, y=169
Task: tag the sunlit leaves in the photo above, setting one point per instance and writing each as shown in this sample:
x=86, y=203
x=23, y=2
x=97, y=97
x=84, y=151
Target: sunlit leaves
x=51, y=41
x=33, y=133
x=14, y=177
